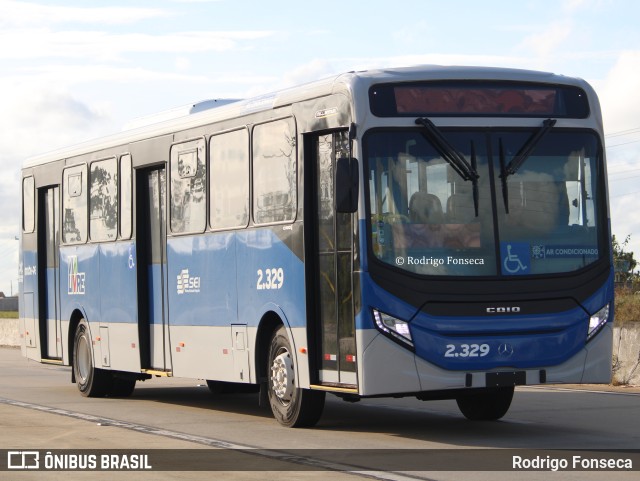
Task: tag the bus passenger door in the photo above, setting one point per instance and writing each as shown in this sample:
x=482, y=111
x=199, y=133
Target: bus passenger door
x=49, y=272
x=151, y=242
x=331, y=302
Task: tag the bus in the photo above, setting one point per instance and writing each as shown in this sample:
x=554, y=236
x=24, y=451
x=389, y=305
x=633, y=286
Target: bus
x=435, y=232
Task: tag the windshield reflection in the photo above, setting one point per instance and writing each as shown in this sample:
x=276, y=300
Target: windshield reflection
x=423, y=213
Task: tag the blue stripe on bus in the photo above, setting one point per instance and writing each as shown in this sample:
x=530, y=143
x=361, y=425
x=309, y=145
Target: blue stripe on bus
x=212, y=280
x=99, y=280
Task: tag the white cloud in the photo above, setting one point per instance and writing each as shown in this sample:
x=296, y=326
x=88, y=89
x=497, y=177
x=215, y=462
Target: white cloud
x=574, y=5
x=621, y=112
x=183, y=64
x=66, y=76
x=625, y=220
x=408, y=37
x=619, y=93
x=308, y=72
x=22, y=14
x=35, y=121
x=545, y=43
x=9, y=262
x=96, y=45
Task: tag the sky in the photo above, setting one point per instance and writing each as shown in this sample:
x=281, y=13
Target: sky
x=73, y=70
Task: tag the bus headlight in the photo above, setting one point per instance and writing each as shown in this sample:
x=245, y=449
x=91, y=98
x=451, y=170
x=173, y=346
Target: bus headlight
x=597, y=321
x=393, y=327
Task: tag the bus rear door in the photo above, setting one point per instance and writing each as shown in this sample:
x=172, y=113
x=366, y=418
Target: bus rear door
x=151, y=241
x=49, y=273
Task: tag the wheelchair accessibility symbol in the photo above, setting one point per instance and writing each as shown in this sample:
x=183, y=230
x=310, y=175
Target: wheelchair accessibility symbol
x=516, y=258
x=132, y=256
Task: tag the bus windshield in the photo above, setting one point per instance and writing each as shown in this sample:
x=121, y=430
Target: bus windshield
x=540, y=218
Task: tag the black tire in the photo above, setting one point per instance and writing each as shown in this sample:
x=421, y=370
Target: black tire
x=292, y=406
x=487, y=404
x=219, y=387
x=91, y=382
x=223, y=387
x=121, y=386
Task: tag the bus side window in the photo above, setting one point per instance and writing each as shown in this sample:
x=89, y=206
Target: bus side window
x=103, y=200
x=74, y=205
x=188, y=187
x=28, y=205
x=274, y=172
x=229, y=179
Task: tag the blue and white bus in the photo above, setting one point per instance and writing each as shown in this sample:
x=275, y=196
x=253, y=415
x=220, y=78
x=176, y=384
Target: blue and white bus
x=437, y=232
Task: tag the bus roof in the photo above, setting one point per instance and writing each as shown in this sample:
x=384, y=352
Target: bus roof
x=343, y=82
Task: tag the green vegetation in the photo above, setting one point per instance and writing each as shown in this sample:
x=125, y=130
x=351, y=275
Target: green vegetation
x=623, y=261
x=8, y=314
x=627, y=305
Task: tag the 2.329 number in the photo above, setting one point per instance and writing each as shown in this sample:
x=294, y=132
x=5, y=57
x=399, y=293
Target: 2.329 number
x=467, y=350
x=270, y=278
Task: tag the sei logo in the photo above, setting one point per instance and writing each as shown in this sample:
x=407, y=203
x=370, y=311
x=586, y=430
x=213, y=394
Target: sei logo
x=187, y=284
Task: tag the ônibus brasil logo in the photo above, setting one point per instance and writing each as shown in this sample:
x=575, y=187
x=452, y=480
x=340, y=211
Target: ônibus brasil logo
x=76, y=279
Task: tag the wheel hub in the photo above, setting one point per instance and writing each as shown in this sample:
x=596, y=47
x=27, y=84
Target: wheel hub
x=282, y=377
x=84, y=359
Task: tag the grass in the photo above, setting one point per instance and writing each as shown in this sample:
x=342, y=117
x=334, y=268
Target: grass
x=8, y=314
x=627, y=306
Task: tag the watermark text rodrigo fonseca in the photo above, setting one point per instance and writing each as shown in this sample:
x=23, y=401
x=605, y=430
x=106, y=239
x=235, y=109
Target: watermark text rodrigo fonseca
x=439, y=261
x=572, y=463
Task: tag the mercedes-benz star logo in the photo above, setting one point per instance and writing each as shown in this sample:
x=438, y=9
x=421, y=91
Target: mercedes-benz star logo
x=505, y=350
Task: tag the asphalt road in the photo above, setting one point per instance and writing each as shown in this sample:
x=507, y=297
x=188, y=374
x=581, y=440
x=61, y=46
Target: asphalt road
x=40, y=409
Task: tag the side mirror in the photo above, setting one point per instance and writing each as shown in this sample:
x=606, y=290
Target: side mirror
x=347, y=185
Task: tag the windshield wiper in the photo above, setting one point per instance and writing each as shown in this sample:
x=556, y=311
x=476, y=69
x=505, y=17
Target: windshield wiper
x=526, y=150
x=521, y=157
x=468, y=171
x=503, y=177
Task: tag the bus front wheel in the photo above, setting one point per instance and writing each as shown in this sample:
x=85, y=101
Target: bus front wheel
x=486, y=404
x=91, y=382
x=292, y=406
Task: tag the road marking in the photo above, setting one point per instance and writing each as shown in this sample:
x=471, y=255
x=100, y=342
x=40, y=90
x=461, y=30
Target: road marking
x=219, y=444
x=568, y=389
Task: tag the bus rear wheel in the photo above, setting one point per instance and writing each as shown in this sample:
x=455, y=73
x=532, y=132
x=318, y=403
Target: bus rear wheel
x=292, y=406
x=487, y=404
x=121, y=386
x=91, y=382
x=224, y=387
